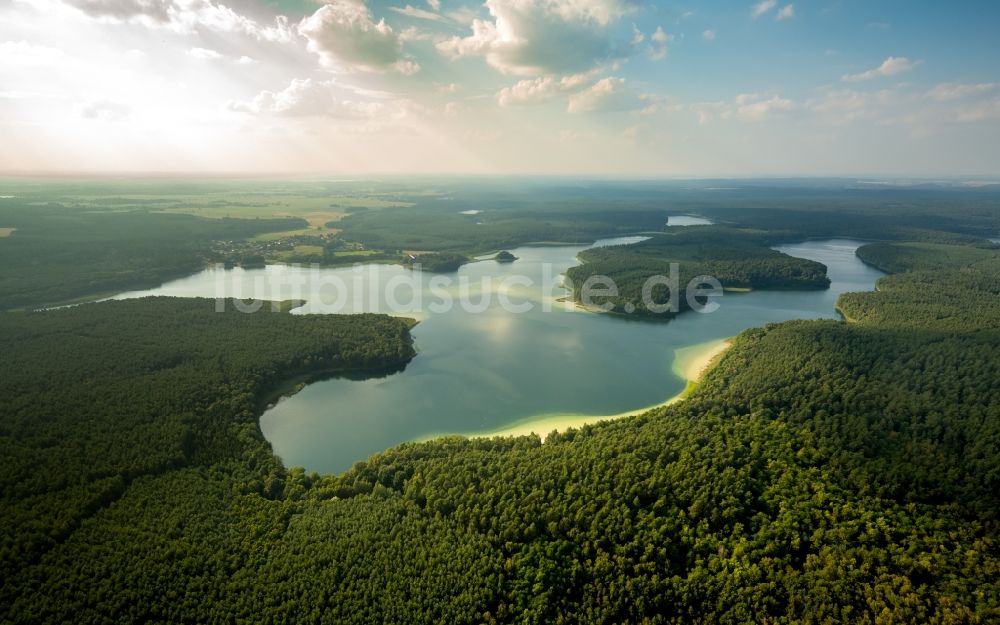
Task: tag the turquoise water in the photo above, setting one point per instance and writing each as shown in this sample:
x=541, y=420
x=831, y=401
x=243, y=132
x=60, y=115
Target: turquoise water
x=481, y=367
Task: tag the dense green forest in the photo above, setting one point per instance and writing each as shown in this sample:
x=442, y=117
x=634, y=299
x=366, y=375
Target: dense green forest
x=738, y=258
x=98, y=396
x=822, y=472
x=59, y=253
x=438, y=261
x=434, y=229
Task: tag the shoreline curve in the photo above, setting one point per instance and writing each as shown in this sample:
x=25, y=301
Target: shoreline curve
x=690, y=364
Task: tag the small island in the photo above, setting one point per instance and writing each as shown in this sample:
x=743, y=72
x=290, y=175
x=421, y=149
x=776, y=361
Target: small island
x=438, y=262
x=504, y=257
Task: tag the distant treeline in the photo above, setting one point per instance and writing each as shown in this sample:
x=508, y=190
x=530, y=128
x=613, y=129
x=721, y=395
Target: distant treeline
x=59, y=254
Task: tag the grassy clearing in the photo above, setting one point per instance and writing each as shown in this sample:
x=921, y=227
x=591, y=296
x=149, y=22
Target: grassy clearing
x=284, y=234
x=356, y=253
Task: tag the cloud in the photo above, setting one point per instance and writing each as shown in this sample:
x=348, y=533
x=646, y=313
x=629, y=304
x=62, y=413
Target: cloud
x=104, y=110
x=542, y=89
x=752, y=107
x=346, y=38
x=762, y=7
x=637, y=36
x=786, y=12
x=434, y=4
x=984, y=111
x=125, y=10
x=420, y=14
x=24, y=53
x=531, y=37
x=658, y=47
x=709, y=35
x=946, y=92
x=747, y=107
x=606, y=95
x=890, y=67
x=307, y=98
x=204, y=54
x=183, y=16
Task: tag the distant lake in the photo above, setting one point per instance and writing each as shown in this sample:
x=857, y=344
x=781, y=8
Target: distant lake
x=483, y=371
x=687, y=220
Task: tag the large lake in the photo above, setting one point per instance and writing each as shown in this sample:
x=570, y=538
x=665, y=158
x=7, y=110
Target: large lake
x=481, y=368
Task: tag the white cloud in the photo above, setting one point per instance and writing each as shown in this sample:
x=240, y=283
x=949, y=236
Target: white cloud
x=531, y=37
x=637, y=36
x=946, y=92
x=307, y=98
x=184, y=16
x=763, y=7
x=246, y=60
x=890, y=67
x=984, y=111
x=542, y=89
x=420, y=14
x=204, y=54
x=24, y=53
x=346, y=37
x=786, y=12
x=606, y=95
x=747, y=107
x=104, y=110
x=752, y=107
x=709, y=35
x=658, y=47
x=434, y=4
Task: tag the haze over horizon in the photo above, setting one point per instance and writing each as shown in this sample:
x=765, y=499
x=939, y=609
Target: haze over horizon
x=615, y=88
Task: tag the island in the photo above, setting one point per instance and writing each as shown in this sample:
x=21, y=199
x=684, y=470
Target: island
x=437, y=262
x=504, y=256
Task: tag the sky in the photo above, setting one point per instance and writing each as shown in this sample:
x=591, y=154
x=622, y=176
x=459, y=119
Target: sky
x=627, y=88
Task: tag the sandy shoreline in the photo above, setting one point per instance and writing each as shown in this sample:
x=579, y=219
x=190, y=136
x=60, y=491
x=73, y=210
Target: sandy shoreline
x=690, y=363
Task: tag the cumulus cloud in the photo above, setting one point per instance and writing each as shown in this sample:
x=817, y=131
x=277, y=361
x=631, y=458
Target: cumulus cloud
x=658, y=45
x=709, y=35
x=346, y=37
x=752, y=107
x=307, y=98
x=786, y=12
x=531, y=37
x=542, y=89
x=747, y=107
x=185, y=16
x=763, y=7
x=890, y=67
x=606, y=95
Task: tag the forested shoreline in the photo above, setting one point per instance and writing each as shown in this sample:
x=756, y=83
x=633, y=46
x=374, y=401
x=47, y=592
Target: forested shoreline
x=737, y=258
x=821, y=472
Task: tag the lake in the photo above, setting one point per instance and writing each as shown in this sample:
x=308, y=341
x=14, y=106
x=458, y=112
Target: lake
x=481, y=368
